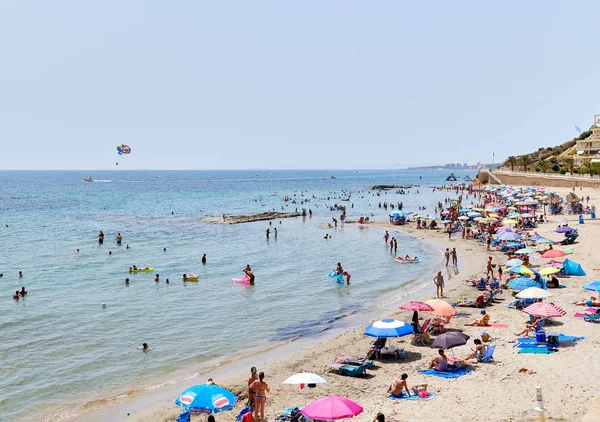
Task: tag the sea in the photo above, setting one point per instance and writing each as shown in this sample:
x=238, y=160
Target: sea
x=62, y=350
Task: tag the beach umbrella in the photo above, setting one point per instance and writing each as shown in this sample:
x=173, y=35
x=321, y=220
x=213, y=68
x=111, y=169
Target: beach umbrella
x=556, y=264
x=304, y=378
x=397, y=213
x=592, y=285
x=472, y=214
x=522, y=269
x=544, y=240
x=513, y=262
x=534, y=293
x=388, y=328
x=450, y=340
x=330, y=408
x=514, y=245
x=509, y=236
x=416, y=306
x=522, y=283
x=525, y=251
x=503, y=229
x=206, y=399
x=563, y=229
x=526, y=215
x=554, y=253
x=441, y=308
x=543, y=309
x=549, y=270
x=509, y=222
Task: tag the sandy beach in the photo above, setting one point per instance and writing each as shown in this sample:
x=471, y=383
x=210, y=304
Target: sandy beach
x=492, y=391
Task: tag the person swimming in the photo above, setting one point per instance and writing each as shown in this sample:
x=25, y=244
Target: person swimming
x=144, y=347
x=16, y=295
x=126, y=281
x=156, y=278
x=23, y=292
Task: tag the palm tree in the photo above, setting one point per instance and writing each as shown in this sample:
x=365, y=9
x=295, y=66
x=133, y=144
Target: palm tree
x=512, y=160
x=543, y=164
x=525, y=161
x=570, y=163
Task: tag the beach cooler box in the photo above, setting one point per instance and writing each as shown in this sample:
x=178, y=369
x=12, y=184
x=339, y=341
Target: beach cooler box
x=540, y=336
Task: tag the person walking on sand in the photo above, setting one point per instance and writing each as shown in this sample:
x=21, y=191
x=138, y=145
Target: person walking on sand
x=489, y=241
x=261, y=388
x=450, y=231
x=490, y=267
x=438, y=280
x=454, y=257
x=447, y=256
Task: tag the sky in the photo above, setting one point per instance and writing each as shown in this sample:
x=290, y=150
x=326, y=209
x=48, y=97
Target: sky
x=337, y=84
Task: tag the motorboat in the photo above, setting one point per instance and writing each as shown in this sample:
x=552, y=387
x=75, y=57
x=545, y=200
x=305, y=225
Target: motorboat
x=88, y=179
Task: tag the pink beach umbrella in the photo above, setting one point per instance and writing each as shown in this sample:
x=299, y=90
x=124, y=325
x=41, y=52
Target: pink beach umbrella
x=416, y=306
x=544, y=309
x=554, y=253
x=332, y=408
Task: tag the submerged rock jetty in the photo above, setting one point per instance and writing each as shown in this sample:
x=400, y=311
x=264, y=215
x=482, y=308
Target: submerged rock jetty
x=388, y=187
x=247, y=218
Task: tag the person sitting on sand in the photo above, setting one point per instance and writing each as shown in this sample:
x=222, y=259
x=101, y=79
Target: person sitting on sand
x=592, y=301
x=483, y=322
x=529, y=326
x=479, y=350
x=379, y=418
x=396, y=389
x=441, y=362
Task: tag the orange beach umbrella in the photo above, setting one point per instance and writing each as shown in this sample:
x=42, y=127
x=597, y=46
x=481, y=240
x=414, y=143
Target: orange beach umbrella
x=441, y=308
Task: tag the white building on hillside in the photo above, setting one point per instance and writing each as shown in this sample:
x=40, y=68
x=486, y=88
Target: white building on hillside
x=588, y=150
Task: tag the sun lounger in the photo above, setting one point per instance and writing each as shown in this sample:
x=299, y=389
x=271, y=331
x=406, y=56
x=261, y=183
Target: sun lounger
x=348, y=370
x=488, y=356
x=423, y=336
x=354, y=360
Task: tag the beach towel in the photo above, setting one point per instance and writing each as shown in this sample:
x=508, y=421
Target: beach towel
x=465, y=315
x=536, y=351
x=592, y=310
x=499, y=325
x=569, y=339
x=580, y=315
x=450, y=373
x=535, y=346
x=414, y=397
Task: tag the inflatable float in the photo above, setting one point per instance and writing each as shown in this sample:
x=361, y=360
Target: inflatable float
x=190, y=277
x=408, y=261
x=337, y=277
x=142, y=270
x=243, y=280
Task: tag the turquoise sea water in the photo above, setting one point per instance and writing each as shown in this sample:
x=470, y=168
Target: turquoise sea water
x=59, y=349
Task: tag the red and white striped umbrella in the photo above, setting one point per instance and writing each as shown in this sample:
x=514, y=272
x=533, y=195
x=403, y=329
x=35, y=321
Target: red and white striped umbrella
x=544, y=309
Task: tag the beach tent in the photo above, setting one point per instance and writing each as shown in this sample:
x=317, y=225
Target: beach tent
x=572, y=268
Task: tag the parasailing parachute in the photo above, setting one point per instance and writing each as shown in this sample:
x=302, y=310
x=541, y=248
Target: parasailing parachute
x=123, y=149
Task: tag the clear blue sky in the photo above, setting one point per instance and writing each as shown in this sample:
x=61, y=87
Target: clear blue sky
x=291, y=84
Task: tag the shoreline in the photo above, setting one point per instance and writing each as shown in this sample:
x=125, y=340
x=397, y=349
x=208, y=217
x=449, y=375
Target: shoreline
x=152, y=406
x=135, y=401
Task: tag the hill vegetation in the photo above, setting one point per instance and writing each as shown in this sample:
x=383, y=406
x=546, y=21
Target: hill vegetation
x=552, y=159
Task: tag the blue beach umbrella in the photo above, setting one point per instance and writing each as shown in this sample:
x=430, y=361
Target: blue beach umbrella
x=522, y=283
x=397, y=213
x=514, y=262
x=474, y=214
x=205, y=399
x=525, y=251
x=592, y=285
x=514, y=245
x=388, y=328
x=509, y=236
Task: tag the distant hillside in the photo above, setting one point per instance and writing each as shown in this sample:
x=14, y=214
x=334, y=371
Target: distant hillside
x=551, y=159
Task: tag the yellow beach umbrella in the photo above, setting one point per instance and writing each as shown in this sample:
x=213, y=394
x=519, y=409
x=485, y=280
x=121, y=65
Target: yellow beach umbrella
x=521, y=269
x=549, y=270
x=510, y=222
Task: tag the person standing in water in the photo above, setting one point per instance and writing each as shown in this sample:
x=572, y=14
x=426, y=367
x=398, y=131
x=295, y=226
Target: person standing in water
x=439, y=284
x=101, y=237
x=386, y=236
x=268, y=231
x=204, y=259
x=119, y=238
x=261, y=388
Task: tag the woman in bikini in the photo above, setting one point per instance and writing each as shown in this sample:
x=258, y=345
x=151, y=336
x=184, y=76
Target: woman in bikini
x=395, y=390
x=260, y=389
